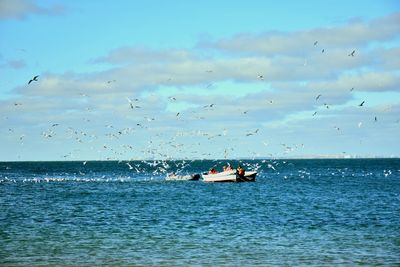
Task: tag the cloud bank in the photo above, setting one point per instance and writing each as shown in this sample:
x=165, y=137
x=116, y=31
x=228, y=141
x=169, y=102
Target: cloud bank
x=285, y=84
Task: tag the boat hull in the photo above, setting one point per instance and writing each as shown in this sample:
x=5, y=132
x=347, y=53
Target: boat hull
x=229, y=177
x=173, y=177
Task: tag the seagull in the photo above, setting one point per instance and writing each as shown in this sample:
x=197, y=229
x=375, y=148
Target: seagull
x=359, y=124
x=54, y=125
x=208, y=106
x=172, y=98
x=352, y=53
x=129, y=165
x=326, y=105
x=352, y=88
x=130, y=102
x=315, y=113
x=261, y=77
x=323, y=50
x=362, y=103
x=34, y=79
x=315, y=43
x=177, y=114
x=318, y=96
x=271, y=166
x=376, y=119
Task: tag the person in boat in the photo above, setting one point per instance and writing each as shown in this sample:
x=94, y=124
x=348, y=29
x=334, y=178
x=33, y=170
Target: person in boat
x=227, y=168
x=240, y=171
x=212, y=171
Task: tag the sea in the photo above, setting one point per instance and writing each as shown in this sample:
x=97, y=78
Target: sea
x=308, y=212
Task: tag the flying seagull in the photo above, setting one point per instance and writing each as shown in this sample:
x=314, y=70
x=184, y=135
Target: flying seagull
x=362, y=103
x=316, y=42
x=256, y=131
x=318, y=96
x=130, y=102
x=352, y=53
x=315, y=113
x=34, y=79
x=261, y=77
x=208, y=106
x=129, y=165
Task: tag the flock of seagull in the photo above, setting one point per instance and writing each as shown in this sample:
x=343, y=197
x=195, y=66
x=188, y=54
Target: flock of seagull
x=153, y=148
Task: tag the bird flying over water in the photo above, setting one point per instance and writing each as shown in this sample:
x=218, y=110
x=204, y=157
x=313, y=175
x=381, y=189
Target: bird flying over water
x=362, y=103
x=316, y=42
x=34, y=79
x=318, y=96
x=129, y=165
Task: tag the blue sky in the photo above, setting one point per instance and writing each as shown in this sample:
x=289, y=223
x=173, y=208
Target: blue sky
x=189, y=79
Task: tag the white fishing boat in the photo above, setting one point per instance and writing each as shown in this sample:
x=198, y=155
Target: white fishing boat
x=175, y=177
x=230, y=176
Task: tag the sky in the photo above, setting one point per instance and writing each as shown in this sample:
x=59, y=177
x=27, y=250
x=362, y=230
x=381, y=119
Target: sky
x=133, y=80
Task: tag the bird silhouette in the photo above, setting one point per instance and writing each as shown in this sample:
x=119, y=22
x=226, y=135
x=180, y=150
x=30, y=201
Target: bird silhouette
x=34, y=79
x=362, y=103
x=352, y=53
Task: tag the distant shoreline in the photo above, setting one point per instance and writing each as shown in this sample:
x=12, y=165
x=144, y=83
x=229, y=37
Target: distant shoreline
x=242, y=159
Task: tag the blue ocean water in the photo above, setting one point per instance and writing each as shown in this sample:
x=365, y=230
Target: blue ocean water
x=297, y=213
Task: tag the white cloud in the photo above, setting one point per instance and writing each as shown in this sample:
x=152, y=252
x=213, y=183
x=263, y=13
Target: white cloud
x=20, y=9
x=293, y=70
x=351, y=35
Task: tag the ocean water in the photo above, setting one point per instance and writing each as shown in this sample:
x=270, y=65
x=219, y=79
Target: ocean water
x=297, y=213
